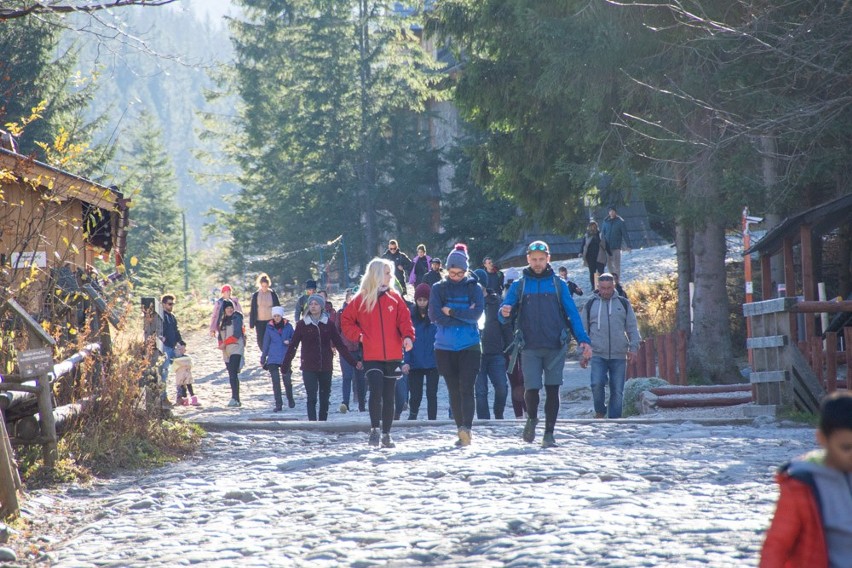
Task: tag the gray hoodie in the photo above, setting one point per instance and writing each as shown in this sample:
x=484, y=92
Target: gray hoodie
x=834, y=489
x=612, y=327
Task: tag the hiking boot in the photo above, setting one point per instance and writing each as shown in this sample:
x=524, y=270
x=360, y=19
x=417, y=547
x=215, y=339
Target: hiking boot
x=166, y=403
x=375, y=437
x=387, y=441
x=181, y=401
x=464, y=436
x=548, y=441
x=529, y=429
x=291, y=402
x=343, y=408
x=277, y=409
x=194, y=401
x=599, y=415
x=362, y=407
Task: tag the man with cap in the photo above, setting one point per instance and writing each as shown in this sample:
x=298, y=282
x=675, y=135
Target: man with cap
x=435, y=273
x=611, y=324
x=544, y=314
x=614, y=234
x=455, y=305
x=302, y=303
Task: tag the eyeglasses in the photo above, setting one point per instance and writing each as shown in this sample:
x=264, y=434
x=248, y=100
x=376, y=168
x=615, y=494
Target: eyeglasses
x=456, y=273
x=537, y=247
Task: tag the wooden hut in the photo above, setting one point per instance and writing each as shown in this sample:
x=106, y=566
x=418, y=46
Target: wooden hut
x=796, y=357
x=53, y=224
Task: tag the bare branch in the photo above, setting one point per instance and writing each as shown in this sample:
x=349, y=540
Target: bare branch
x=35, y=8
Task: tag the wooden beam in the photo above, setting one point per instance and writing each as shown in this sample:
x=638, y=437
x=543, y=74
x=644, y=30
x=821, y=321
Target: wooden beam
x=768, y=342
x=817, y=307
x=773, y=306
x=831, y=361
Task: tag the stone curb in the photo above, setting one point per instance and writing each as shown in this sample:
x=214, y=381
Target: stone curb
x=338, y=426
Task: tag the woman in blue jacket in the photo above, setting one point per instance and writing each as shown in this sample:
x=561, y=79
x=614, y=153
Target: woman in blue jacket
x=455, y=305
x=420, y=362
x=275, y=343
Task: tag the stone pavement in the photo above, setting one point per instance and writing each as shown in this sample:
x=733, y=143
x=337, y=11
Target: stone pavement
x=612, y=494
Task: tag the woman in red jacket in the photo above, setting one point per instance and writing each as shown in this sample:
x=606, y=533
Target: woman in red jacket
x=316, y=334
x=379, y=318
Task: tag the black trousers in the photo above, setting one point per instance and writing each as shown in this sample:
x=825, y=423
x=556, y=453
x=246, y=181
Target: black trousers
x=381, y=377
x=233, y=366
x=260, y=328
x=415, y=387
x=317, y=386
x=459, y=369
x=275, y=373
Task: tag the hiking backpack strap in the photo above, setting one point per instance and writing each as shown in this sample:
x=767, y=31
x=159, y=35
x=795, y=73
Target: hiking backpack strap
x=624, y=302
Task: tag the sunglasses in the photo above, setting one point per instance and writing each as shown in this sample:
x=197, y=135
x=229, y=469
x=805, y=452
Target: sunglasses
x=537, y=247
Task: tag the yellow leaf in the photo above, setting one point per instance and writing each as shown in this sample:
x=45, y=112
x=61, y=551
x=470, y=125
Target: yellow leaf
x=134, y=261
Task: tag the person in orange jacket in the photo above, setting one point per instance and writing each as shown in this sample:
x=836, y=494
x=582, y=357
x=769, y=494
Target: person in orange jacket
x=379, y=318
x=812, y=526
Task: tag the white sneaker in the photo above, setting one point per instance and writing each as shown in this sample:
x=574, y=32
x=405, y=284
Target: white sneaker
x=233, y=402
x=343, y=409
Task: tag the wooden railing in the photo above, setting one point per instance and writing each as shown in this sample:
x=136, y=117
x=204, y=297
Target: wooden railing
x=787, y=373
x=663, y=356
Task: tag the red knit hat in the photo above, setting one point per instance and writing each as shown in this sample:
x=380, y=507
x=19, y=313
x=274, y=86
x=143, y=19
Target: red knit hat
x=422, y=291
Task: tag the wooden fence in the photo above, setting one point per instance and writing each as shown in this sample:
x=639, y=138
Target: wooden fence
x=663, y=356
x=788, y=373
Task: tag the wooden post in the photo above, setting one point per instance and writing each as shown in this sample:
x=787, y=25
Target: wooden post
x=48, y=425
x=817, y=359
x=681, y=356
x=662, y=349
x=831, y=361
x=789, y=268
x=9, y=480
x=640, y=359
x=669, y=338
x=650, y=358
x=766, y=291
x=847, y=339
x=808, y=281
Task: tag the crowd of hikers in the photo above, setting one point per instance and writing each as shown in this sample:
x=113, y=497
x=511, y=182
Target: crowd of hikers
x=473, y=327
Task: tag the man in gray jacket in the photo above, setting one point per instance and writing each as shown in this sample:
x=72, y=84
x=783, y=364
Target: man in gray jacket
x=614, y=235
x=611, y=325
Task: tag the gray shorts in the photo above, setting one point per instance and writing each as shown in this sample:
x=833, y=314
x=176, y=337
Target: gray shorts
x=536, y=363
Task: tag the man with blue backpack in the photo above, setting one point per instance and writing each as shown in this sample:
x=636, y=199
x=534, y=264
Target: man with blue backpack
x=544, y=317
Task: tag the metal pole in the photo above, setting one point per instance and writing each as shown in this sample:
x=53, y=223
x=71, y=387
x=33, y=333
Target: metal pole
x=185, y=255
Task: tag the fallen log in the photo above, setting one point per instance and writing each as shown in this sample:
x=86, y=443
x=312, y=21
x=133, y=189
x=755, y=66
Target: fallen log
x=28, y=429
x=701, y=389
x=11, y=398
x=701, y=402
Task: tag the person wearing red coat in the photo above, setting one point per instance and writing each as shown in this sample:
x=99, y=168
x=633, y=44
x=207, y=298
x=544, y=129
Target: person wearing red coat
x=379, y=319
x=812, y=526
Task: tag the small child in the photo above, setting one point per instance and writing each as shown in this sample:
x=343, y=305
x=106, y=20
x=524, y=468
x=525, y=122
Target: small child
x=183, y=377
x=812, y=526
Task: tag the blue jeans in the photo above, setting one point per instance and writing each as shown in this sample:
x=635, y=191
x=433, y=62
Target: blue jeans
x=168, y=354
x=493, y=368
x=350, y=373
x=401, y=395
x=608, y=372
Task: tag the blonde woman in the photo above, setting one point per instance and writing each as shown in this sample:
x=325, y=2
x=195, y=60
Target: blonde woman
x=379, y=319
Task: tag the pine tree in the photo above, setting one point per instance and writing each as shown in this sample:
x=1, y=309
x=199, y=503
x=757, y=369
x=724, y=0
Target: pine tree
x=154, y=238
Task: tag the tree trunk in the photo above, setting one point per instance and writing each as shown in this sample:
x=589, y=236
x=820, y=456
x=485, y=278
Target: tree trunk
x=683, y=245
x=366, y=169
x=769, y=153
x=710, y=351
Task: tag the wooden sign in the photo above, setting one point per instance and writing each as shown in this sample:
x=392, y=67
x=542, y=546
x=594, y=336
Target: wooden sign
x=35, y=362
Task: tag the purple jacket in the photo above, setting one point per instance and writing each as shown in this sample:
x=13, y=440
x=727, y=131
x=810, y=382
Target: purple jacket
x=316, y=340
